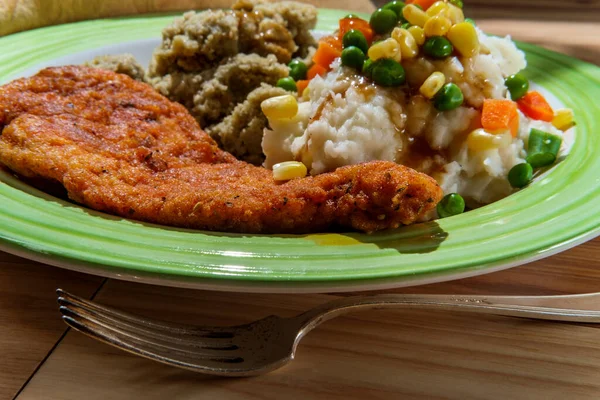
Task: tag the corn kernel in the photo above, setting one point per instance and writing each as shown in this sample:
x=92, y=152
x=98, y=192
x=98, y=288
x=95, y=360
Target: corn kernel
x=388, y=48
x=439, y=7
x=289, y=170
x=408, y=45
x=418, y=33
x=437, y=26
x=280, y=107
x=306, y=94
x=455, y=14
x=480, y=140
x=433, y=84
x=563, y=119
x=464, y=39
x=414, y=15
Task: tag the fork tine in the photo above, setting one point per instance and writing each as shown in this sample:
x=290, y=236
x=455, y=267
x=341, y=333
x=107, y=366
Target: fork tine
x=161, y=345
x=66, y=298
x=133, y=345
x=174, y=339
x=156, y=334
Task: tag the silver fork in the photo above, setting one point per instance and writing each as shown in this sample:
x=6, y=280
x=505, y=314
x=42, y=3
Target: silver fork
x=269, y=343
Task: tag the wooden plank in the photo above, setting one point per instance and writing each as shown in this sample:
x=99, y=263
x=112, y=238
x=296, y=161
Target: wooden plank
x=379, y=355
x=571, y=272
x=540, y=10
x=30, y=322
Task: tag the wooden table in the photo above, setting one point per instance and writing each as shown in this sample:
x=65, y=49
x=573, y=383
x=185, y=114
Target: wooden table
x=378, y=355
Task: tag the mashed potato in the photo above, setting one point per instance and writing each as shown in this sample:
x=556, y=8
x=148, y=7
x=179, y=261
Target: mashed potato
x=342, y=124
x=348, y=120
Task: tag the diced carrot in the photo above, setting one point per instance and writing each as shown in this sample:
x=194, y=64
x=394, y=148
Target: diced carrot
x=333, y=41
x=301, y=85
x=326, y=53
x=425, y=4
x=359, y=24
x=535, y=106
x=315, y=70
x=500, y=115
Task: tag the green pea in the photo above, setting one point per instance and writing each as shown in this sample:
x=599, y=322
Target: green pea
x=517, y=85
x=353, y=57
x=367, y=68
x=471, y=21
x=383, y=20
x=355, y=38
x=457, y=3
x=351, y=16
x=298, y=70
x=520, y=175
x=387, y=72
x=448, y=98
x=438, y=47
x=451, y=204
x=396, y=6
x=287, y=83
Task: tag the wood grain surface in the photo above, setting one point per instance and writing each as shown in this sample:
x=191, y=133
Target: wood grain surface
x=367, y=355
x=537, y=10
x=30, y=324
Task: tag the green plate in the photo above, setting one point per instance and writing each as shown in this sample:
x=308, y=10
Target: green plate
x=558, y=211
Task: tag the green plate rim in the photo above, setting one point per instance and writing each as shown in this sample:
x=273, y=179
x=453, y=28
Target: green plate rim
x=531, y=224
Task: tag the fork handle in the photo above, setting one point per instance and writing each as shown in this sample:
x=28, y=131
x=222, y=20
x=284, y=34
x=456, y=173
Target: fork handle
x=583, y=308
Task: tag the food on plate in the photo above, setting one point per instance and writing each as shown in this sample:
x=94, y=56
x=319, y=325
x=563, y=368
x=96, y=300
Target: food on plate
x=240, y=133
x=411, y=114
x=420, y=85
x=121, y=63
x=215, y=60
x=119, y=146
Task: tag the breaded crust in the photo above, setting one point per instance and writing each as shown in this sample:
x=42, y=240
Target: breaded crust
x=120, y=147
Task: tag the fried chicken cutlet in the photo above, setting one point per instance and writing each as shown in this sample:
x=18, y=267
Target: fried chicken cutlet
x=118, y=146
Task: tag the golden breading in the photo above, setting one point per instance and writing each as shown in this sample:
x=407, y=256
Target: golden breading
x=118, y=146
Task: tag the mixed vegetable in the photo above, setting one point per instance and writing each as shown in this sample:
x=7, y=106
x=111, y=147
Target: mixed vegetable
x=451, y=204
x=433, y=29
